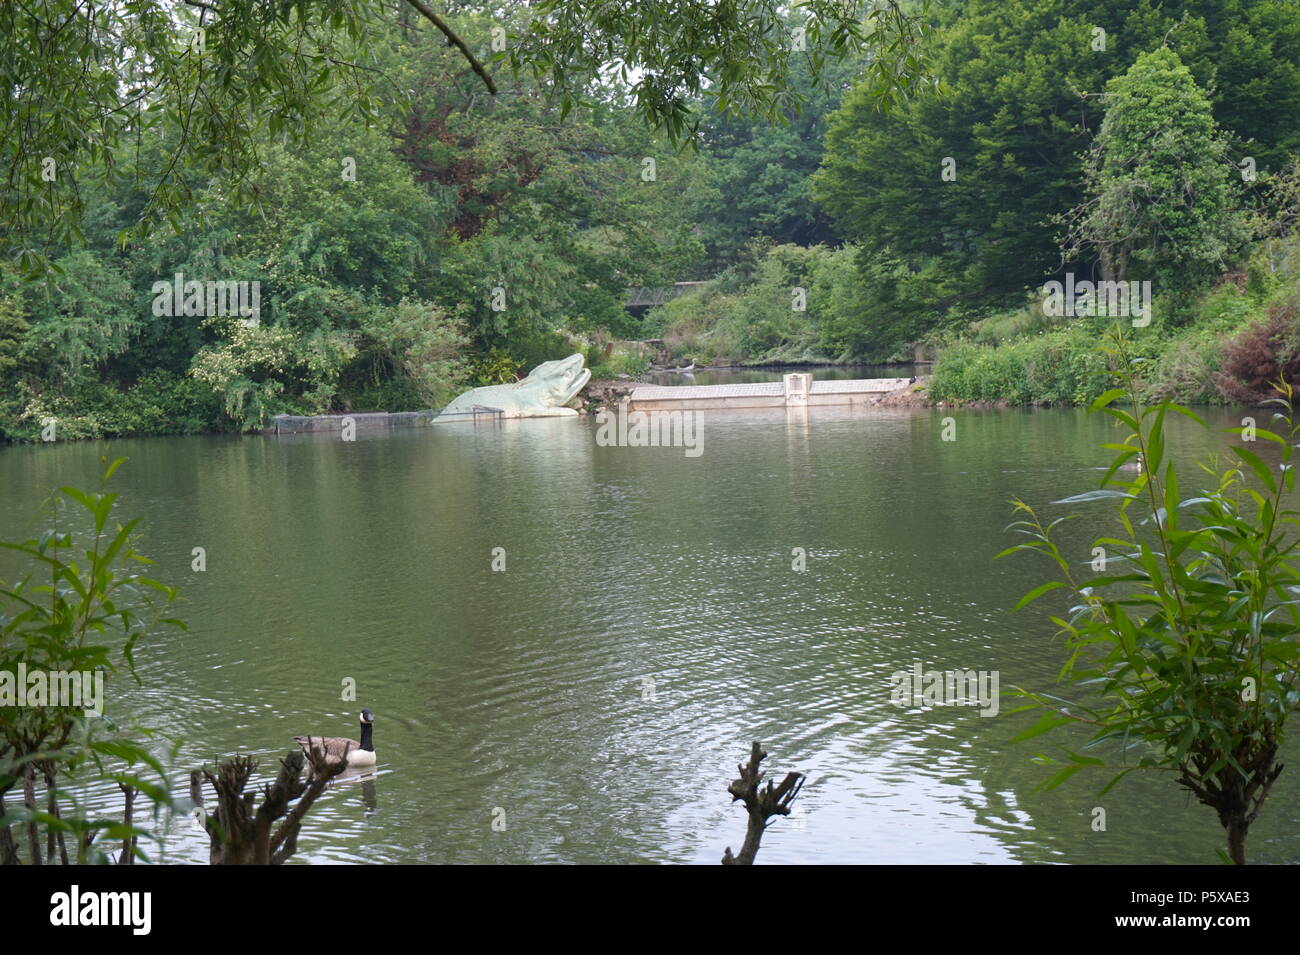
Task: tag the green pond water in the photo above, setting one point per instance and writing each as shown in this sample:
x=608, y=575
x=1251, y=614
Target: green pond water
x=597, y=694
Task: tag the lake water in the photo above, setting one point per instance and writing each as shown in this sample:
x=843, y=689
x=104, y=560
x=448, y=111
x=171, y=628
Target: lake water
x=598, y=694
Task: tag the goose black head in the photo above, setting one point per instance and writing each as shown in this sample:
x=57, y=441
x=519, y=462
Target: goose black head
x=367, y=731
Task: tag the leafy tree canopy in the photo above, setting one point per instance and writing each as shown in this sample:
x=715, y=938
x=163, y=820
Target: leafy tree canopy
x=213, y=77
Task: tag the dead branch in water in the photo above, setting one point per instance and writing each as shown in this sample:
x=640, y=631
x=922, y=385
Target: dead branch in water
x=761, y=804
x=240, y=835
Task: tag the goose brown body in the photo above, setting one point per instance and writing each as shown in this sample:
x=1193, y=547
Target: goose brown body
x=341, y=749
x=335, y=748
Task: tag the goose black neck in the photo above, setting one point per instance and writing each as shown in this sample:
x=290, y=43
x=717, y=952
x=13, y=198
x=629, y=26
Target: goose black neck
x=366, y=729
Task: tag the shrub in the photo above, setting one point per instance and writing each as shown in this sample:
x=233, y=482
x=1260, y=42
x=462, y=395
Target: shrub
x=1226, y=309
x=161, y=402
x=82, y=608
x=1185, y=369
x=1183, y=653
x=749, y=313
x=497, y=367
x=1261, y=354
x=621, y=361
x=1061, y=367
x=427, y=347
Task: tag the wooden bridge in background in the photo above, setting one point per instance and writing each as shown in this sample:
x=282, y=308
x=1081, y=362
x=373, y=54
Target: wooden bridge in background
x=647, y=297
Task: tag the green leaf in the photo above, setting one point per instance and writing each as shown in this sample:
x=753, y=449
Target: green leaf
x=1106, y=398
x=1123, y=416
x=1061, y=777
x=1186, y=412
x=1037, y=592
x=1262, y=470
x=1046, y=723
x=1098, y=495
x=1156, y=443
x=1111, y=785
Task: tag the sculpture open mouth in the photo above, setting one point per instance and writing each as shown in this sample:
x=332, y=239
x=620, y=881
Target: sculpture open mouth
x=563, y=378
x=577, y=378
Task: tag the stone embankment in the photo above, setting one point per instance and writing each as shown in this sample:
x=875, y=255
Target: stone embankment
x=912, y=395
x=601, y=393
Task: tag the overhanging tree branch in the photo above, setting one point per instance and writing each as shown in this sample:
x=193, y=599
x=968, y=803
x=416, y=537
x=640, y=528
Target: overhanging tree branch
x=427, y=12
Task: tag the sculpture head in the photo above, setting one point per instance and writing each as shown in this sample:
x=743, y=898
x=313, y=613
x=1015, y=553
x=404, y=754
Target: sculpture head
x=559, y=380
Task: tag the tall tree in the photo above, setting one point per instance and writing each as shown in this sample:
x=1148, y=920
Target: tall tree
x=1023, y=83
x=1163, y=205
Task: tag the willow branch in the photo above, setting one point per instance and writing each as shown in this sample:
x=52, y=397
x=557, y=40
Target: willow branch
x=427, y=12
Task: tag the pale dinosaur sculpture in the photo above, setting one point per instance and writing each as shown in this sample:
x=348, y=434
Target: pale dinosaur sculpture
x=543, y=394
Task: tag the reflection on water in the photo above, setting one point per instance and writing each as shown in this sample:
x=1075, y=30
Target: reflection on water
x=595, y=696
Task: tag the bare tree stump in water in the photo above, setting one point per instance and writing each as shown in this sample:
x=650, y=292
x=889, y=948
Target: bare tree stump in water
x=128, y=841
x=238, y=834
x=760, y=804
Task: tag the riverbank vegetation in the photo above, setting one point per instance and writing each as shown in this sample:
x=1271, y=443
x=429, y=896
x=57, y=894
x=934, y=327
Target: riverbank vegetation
x=412, y=233
x=417, y=216
x=1183, y=225
x=1143, y=148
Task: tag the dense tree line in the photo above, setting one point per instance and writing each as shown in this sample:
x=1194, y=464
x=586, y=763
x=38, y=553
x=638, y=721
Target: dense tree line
x=1025, y=86
x=376, y=246
x=1095, y=141
x=412, y=231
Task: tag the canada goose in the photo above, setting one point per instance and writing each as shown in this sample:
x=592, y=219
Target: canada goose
x=340, y=748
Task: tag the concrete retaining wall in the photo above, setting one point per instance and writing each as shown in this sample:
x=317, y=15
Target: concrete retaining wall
x=369, y=420
x=795, y=391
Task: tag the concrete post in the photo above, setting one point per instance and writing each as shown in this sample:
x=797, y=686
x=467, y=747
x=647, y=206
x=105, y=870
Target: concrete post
x=797, y=387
